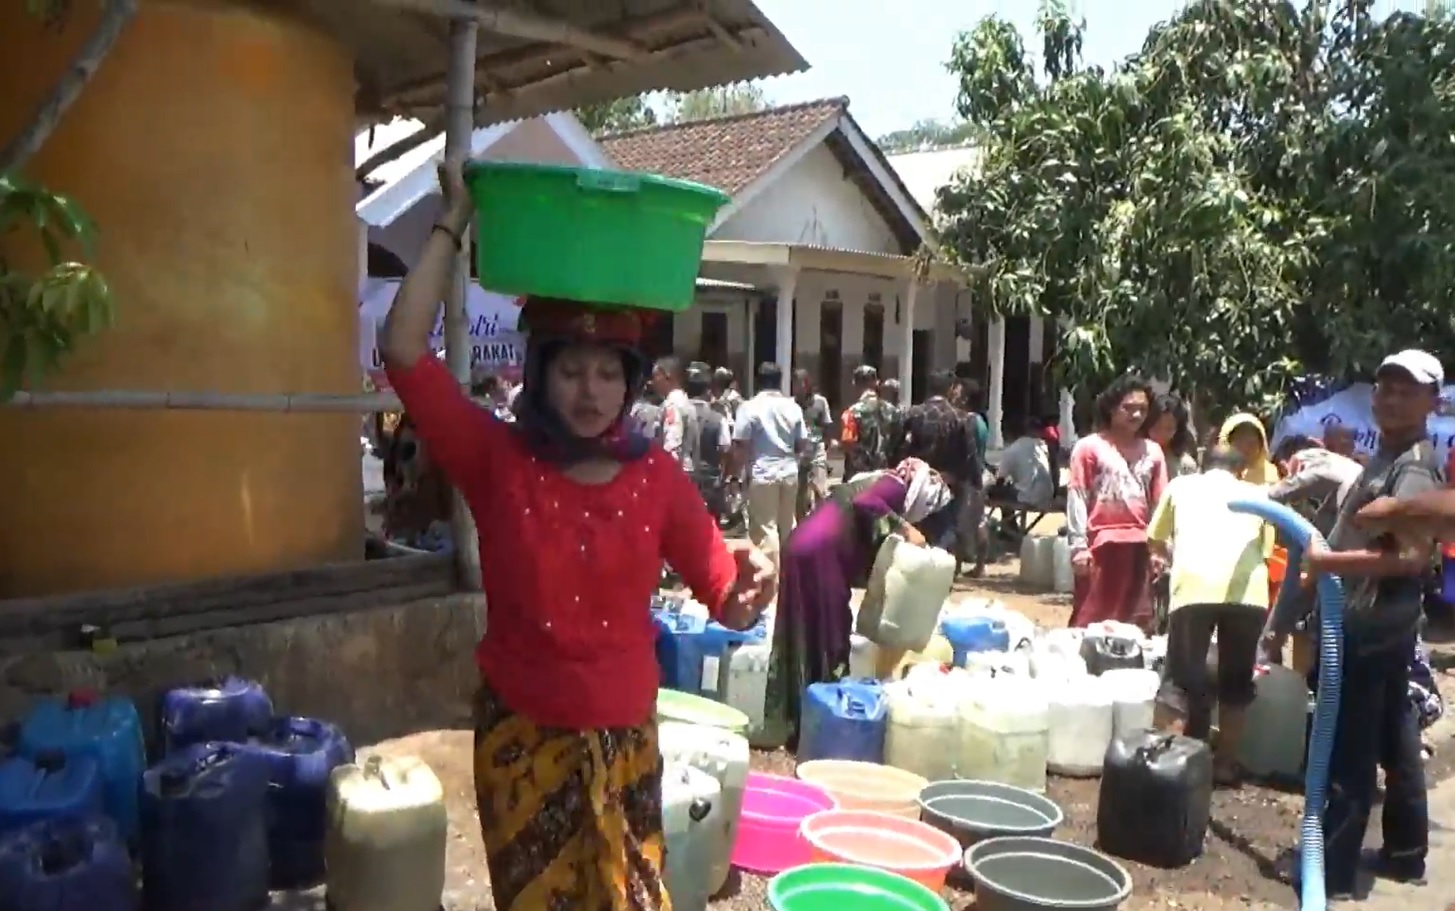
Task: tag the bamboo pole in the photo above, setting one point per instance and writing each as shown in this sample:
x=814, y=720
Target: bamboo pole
x=459, y=128
x=142, y=400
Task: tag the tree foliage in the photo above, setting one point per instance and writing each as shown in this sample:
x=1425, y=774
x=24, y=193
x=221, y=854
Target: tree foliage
x=930, y=134
x=45, y=315
x=632, y=113
x=1264, y=191
x=724, y=101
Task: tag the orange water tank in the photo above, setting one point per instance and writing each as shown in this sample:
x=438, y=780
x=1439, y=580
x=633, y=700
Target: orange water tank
x=214, y=150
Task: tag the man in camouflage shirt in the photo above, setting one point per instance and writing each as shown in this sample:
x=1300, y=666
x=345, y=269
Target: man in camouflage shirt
x=867, y=426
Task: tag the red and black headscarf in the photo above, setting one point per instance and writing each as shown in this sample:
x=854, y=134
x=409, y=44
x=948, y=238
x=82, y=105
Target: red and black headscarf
x=553, y=324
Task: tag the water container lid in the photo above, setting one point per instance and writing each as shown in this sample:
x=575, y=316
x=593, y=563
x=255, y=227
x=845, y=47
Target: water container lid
x=82, y=698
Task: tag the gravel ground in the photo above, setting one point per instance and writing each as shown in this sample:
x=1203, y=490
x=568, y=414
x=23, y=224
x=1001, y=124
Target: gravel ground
x=1251, y=826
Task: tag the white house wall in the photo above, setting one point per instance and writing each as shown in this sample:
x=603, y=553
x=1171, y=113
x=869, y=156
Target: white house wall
x=812, y=203
x=530, y=141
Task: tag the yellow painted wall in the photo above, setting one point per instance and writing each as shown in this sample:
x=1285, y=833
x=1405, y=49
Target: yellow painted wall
x=214, y=149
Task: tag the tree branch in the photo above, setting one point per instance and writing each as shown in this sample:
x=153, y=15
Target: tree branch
x=114, y=18
x=399, y=148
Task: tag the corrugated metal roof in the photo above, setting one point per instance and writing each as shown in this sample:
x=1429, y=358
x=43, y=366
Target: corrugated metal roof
x=401, y=54
x=924, y=173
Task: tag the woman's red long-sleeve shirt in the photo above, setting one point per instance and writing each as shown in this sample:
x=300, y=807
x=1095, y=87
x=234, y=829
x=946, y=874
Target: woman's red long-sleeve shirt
x=569, y=568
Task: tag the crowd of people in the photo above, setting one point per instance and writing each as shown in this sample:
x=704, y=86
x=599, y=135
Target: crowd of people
x=1154, y=543
x=581, y=489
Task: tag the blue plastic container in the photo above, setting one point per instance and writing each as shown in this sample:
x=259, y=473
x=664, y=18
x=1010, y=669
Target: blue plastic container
x=844, y=720
x=974, y=634
x=299, y=754
x=51, y=786
x=229, y=709
x=108, y=730
x=66, y=864
x=676, y=644
x=205, y=830
x=703, y=659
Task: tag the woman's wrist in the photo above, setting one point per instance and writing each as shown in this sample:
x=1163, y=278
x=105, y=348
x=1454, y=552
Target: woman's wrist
x=457, y=218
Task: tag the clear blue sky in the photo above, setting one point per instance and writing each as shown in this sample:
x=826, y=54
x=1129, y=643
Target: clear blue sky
x=888, y=56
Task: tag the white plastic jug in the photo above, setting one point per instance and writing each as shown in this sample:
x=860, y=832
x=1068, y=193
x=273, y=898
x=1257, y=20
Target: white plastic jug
x=1276, y=726
x=998, y=664
x=384, y=848
x=1063, y=580
x=1038, y=555
x=1060, y=640
x=1050, y=664
x=937, y=651
x=1133, y=694
x=723, y=755
x=746, y=687
x=1005, y=732
x=907, y=589
x=1081, y=721
x=1038, y=561
x=863, y=657
x=691, y=802
x=923, y=735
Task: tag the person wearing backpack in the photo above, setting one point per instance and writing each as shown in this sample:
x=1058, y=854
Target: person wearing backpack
x=709, y=443
x=865, y=426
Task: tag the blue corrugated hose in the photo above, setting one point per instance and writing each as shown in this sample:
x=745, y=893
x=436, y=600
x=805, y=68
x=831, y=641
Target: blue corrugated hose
x=1298, y=533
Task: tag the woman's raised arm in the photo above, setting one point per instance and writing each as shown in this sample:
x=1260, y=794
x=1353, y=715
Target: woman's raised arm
x=458, y=434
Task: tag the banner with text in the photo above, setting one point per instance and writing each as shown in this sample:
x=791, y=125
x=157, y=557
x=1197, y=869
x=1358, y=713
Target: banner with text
x=497, y=346
x=1352, y=408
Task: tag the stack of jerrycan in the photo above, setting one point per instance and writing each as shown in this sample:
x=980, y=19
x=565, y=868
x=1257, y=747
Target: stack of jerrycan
x=205, y=830
x=701, y=656
x=107, y=731
x=66, y=863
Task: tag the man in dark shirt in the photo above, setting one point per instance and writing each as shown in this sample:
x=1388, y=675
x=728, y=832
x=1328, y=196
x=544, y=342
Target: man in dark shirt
x=1381, y=575
x=943, y=437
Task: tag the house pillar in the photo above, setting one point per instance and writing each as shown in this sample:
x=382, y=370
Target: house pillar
x=997, y=382
x=787, y=285
x=747, y=384
x=1067, y=424
x=906, y=345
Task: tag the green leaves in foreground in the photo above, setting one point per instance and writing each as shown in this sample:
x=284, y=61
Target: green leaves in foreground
x=43, y=317
x=1267, y=189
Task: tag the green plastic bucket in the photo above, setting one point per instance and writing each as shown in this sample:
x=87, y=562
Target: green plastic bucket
x=841, y=887
x=609, y=237
x=675, y=705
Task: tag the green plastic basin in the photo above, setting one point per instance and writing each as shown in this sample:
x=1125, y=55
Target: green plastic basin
x=675, y=705
x=846, y=887
x=609, y=237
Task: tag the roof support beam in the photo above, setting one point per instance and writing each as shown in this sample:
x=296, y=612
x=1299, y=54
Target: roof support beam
x=523, y=25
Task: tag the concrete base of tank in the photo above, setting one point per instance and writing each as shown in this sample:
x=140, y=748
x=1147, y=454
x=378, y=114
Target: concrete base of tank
x=376, y=673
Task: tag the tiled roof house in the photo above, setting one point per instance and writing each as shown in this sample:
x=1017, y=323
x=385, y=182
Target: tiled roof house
x=821, y=233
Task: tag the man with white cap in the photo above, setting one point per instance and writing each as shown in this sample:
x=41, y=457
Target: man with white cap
x=1381, y=575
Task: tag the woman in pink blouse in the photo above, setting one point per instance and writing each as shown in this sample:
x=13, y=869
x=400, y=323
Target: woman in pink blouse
x=1117, y=476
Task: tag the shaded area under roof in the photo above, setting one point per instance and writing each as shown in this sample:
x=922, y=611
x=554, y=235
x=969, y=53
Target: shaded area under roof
x=401, y=48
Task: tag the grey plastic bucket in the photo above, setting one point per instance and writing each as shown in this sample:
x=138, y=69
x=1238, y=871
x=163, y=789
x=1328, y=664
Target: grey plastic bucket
x=1042, y=874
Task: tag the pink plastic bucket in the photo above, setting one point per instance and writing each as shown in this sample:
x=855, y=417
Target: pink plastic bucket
x=774, y=807
x=912, y=849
